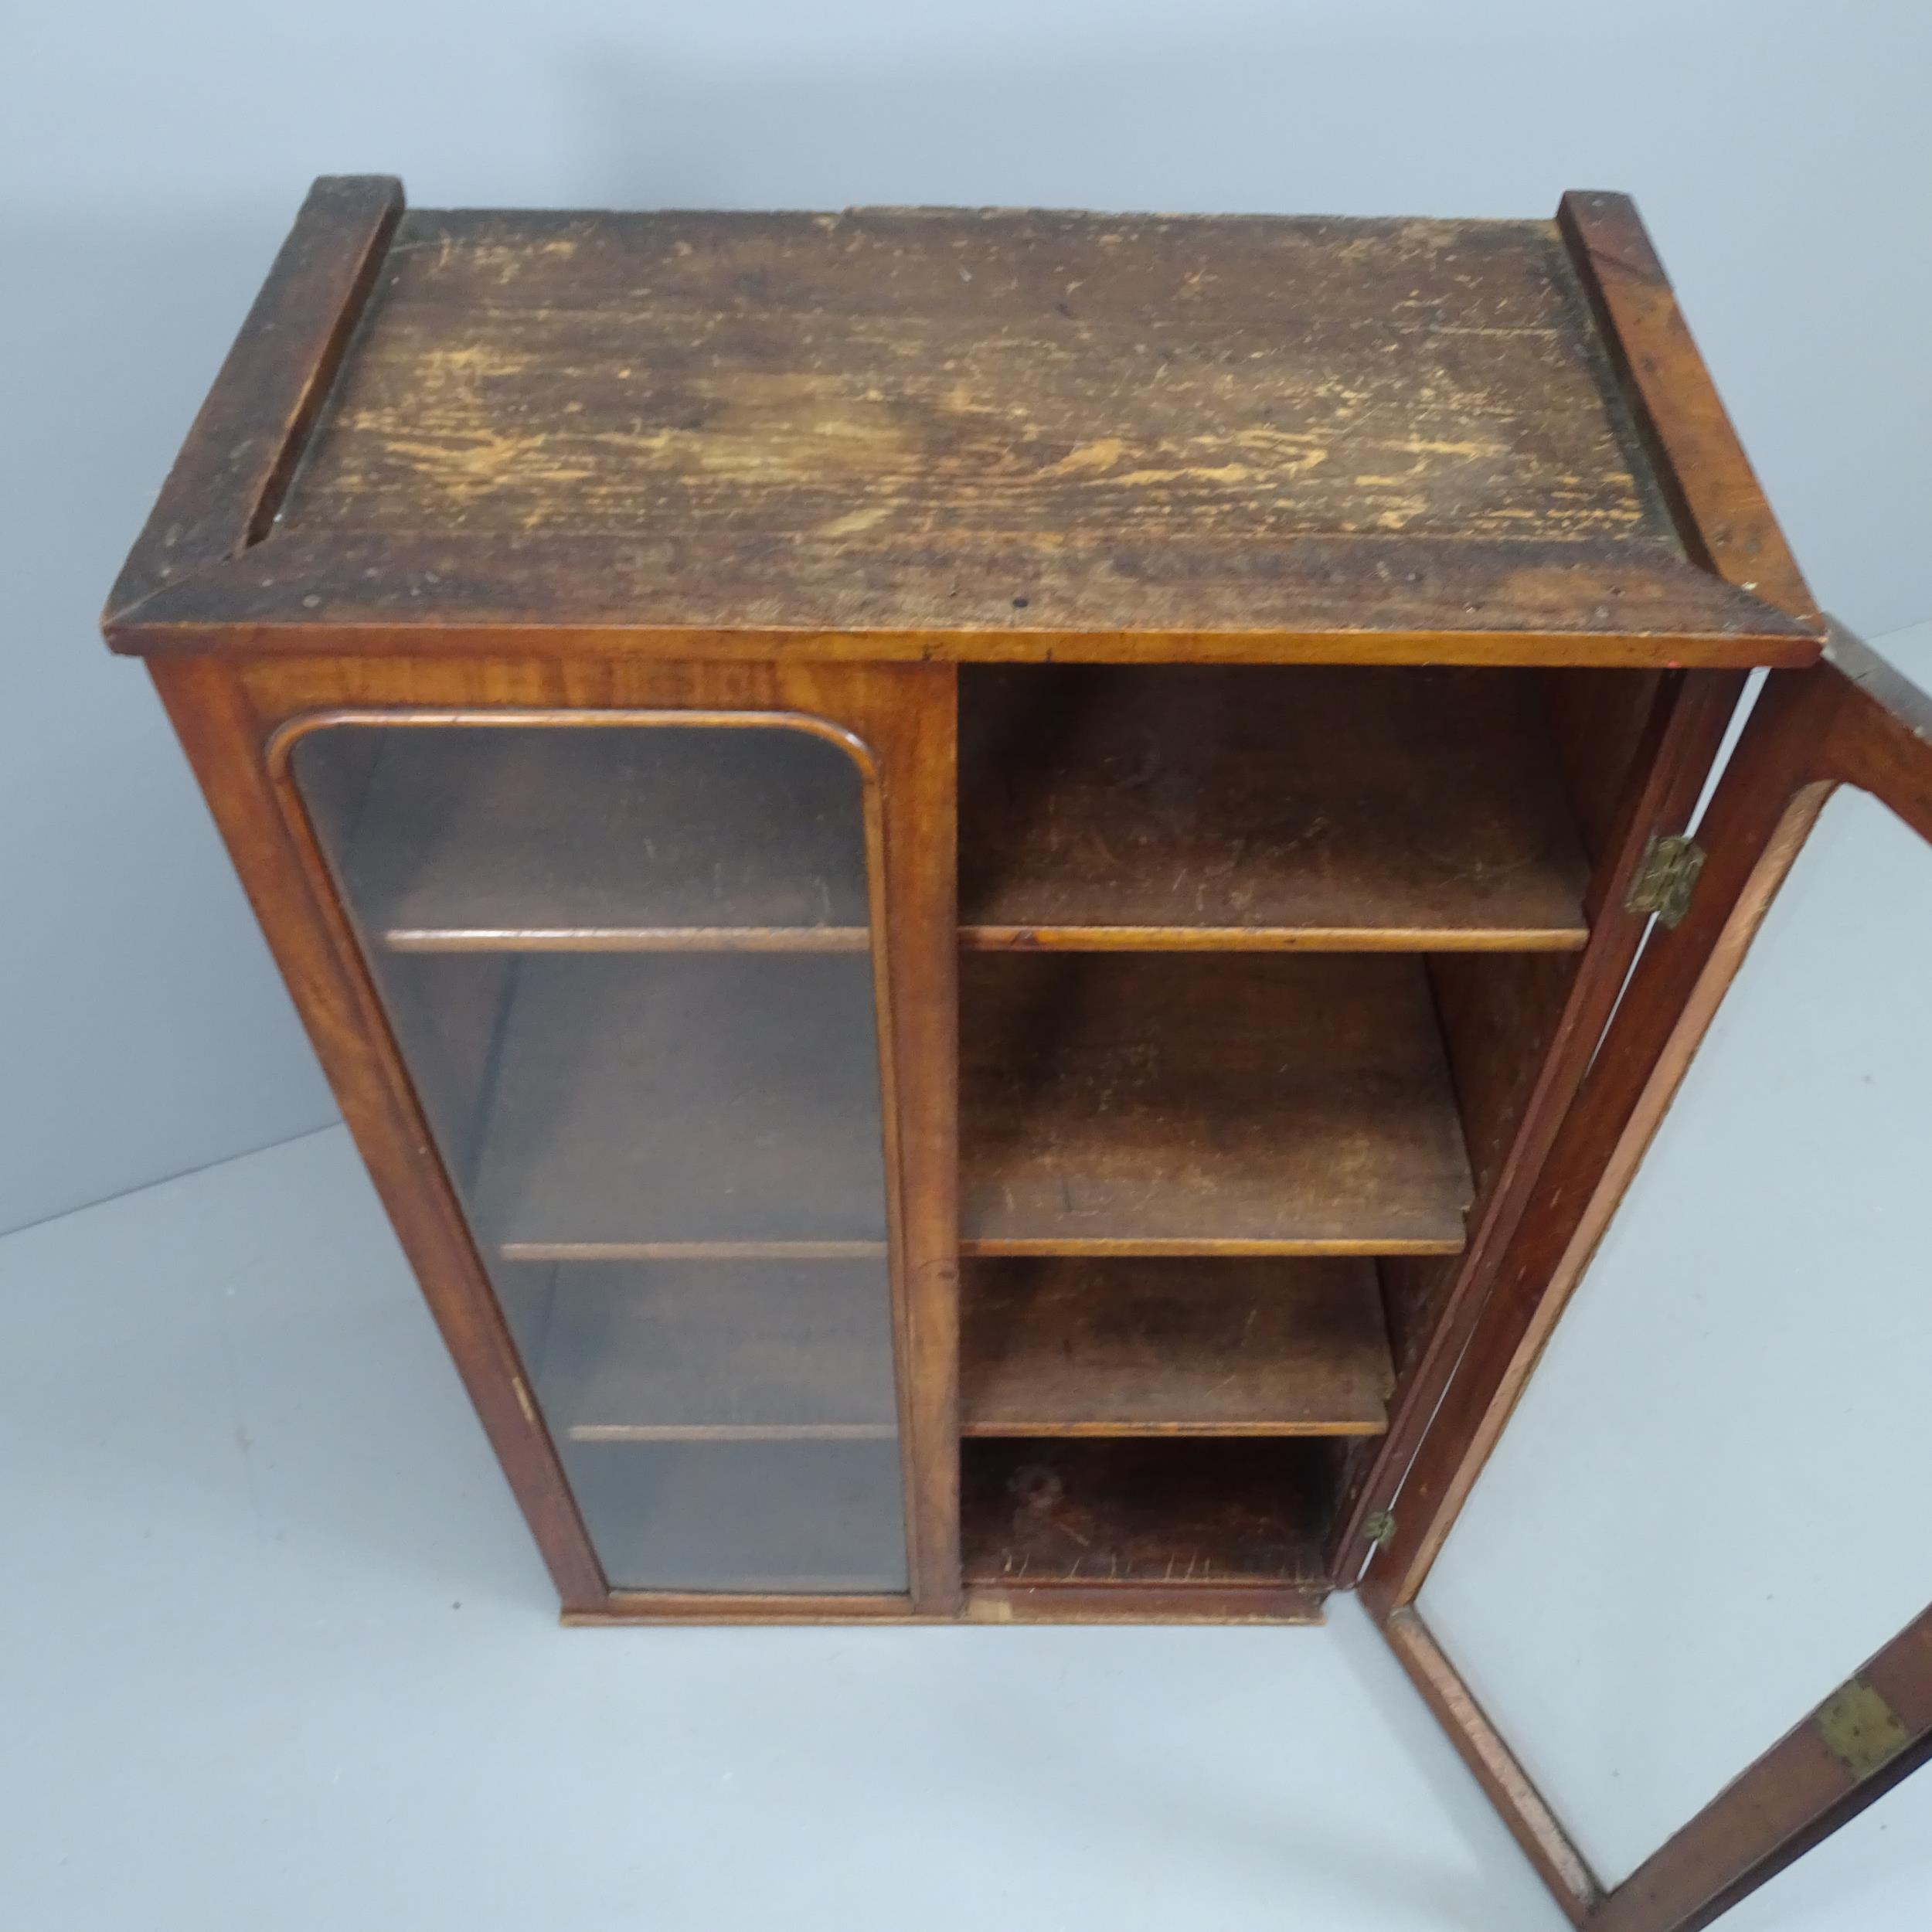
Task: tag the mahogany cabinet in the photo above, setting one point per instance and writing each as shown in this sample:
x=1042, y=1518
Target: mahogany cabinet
x=971, y=878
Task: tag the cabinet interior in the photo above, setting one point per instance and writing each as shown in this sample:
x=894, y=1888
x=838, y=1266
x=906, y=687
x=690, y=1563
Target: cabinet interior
x=1257, y=966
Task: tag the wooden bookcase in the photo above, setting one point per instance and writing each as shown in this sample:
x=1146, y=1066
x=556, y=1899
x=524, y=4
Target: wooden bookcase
x=971, y=878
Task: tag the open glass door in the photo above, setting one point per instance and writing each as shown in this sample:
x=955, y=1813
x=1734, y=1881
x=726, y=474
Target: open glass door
x=1670, y=1595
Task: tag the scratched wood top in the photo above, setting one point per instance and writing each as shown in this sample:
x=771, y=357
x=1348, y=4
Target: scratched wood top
x=895, y=420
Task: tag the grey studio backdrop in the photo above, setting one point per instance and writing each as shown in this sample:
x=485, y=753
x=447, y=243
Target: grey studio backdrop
x=153, y=157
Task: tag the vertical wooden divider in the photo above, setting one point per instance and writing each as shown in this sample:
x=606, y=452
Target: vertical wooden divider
x=914, y=735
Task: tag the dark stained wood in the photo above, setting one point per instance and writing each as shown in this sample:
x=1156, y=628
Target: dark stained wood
x=620, y=835
x=1708, y=482
x=1534, y=1826
x=1145, y=1104
x=654, y=1104
x=910, y=374
x=1316, y=806
x=1686, y=726
x=1202, y=1515
x=568, y=467
x=1597, y=721
x=227, y=483
x=1499, y=1012
x=750, y=1351
x=1350, y=600
x=1792, y=1799
x=911, y=434
x=1169, y=1346
x=912, y=719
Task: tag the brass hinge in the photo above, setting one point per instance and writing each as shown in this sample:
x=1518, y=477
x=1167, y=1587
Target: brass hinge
x=1665, y=876
x=1379, y=1527
x=1860, y=1729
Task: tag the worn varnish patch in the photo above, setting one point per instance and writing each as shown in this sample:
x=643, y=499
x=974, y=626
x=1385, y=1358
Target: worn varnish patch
x=925, y=390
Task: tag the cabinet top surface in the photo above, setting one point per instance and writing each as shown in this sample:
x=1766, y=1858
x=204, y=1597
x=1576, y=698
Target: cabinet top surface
x=975, y=428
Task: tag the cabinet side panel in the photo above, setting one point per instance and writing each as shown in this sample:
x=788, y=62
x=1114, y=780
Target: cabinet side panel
x=225, y=738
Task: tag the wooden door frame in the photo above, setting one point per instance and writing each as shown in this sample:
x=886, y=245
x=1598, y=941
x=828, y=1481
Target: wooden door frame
x=236, y=717
x=1853, y=720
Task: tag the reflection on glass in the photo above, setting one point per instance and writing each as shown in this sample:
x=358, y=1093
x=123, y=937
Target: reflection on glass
x=629, y=967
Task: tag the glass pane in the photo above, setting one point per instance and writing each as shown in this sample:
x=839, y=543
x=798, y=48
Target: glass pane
x=1705, y=1514
x=630, y=968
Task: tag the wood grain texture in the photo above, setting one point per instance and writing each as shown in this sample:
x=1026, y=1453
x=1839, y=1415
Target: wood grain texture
x=227, y=482
x=1306, y=806
x=1348, y=600
x=1665, y=774
x=1197, y=1103
x=912, y=727
x=1714, y=495
x=1168, y=1346
x=622, y=836
x=891, y=375
x=1204, y=1515
x=896, y=432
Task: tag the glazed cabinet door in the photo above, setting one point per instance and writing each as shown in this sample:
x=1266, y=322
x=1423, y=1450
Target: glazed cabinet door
x=628, y=960
x=1662, y=1564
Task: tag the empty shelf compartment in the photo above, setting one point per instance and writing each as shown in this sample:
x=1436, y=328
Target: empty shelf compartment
x=1125, y=1104
x=1216, y=1514
x=587, y=835
x=1167, y=1345
x=1320, y=805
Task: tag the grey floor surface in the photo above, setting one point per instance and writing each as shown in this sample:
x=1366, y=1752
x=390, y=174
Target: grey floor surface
x=278, y=1653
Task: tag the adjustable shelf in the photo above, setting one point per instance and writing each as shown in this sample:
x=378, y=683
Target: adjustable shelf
x=682, y=1108
x=608, y=838
x=1205, y=1105
x=1173, y=1347
x=706, y=1352
x=1224, y=806
x=1060, y=1515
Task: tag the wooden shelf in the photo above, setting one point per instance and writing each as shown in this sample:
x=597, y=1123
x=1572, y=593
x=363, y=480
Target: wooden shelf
x=1318, y=806
x=610, y=838
x=697, y=1352
x=1166, y=1347
x=1293, y=1103
x=1207, y=1515
x=782, y=1517
x=672, y=1108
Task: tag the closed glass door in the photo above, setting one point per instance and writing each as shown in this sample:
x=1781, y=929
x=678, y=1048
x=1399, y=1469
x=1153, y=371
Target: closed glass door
x=629, y=965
